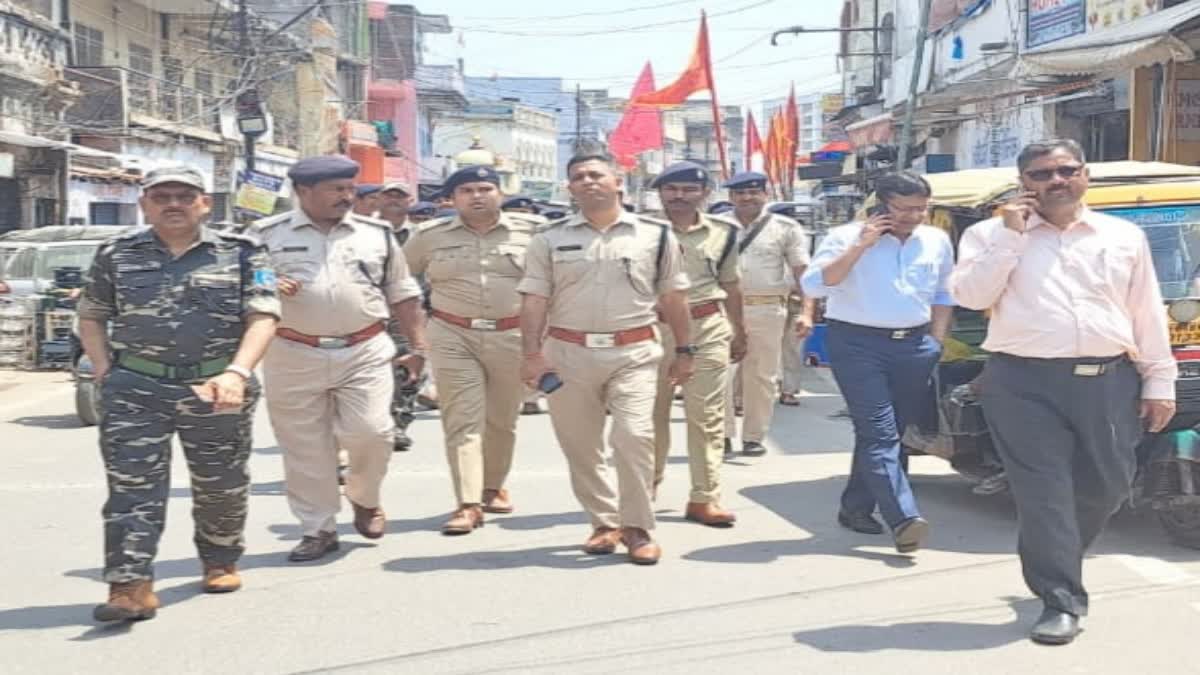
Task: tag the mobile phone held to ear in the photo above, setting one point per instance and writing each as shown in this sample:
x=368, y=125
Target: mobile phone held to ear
x=879, y=209
x=549, y=383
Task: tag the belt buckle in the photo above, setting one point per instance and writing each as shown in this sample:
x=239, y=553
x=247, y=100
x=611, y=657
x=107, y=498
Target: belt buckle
x=1089, y=369
x=332, y=342
x=483, y=324
x=599, y=340
x=900, y=334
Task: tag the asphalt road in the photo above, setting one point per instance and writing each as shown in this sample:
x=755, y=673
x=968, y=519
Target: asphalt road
x=786, y=591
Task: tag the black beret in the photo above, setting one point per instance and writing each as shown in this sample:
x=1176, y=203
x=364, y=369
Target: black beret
x=720, y=207
x=783, y=209
x=470, y=174
x=445, y=213
x=366, y=189
x=682, y=172
x=554, y=214
x=311, y=170
x=747, y=180
x=422, y=209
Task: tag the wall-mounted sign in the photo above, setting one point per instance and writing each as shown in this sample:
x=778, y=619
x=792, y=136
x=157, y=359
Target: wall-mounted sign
x=1051, y=20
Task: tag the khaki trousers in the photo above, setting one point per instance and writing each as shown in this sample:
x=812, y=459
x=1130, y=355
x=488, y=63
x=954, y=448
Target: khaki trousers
x=621, y=380
x=479, y=395
x=757, y=373
x=792, y=361
x=323, y=399
x=703, y=403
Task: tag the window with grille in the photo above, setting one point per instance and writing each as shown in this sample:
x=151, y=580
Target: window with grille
x=211, y=113
x=141, y=65
x=169, y=90
x=89, y=45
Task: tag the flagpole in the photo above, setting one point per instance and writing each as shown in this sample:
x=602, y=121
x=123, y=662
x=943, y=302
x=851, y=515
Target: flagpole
x=716, y=107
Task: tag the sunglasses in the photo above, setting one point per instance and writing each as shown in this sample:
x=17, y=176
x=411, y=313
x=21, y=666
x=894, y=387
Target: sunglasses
x=1064, y=172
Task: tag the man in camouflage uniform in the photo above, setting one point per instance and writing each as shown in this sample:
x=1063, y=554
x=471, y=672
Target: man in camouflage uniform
x=393, y=203
x=192, y=311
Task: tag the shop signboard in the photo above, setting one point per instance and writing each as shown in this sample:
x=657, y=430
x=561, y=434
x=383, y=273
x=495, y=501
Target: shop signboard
x=1051, y=20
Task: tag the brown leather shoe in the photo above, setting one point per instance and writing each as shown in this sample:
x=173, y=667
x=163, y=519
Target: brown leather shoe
x=603, y=541
x=642, y=549
x=370, y=523
x=497, y=501
x=709, y=514
x=221, y=578
x=133, y=601
x=464, y=520
x=314, y=547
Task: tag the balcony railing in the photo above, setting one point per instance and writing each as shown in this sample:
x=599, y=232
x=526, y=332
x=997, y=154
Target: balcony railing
x=112, y=93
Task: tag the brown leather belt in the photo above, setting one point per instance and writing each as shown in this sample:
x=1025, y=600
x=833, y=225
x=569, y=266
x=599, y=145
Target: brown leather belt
x=507, y=323
x=698, y=311
x=762, y=300
x=326, y=342
x=600, y=340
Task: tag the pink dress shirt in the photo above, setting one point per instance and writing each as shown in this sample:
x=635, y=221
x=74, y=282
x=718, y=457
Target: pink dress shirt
x=1088, y=290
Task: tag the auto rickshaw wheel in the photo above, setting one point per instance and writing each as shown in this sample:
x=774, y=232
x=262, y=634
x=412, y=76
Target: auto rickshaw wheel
x=1181, y=522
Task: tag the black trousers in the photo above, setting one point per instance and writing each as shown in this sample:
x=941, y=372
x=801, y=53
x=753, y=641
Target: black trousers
x=1068, y=443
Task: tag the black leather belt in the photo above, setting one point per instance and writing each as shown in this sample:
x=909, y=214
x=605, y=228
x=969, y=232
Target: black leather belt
x=889, y=333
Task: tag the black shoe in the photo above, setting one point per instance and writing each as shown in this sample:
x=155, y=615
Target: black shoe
x=911, y=534
x=863, y=523
x=531, y=408
x=400, y=440
x=1055, y=627
x=729, y=453
x=753, y=449
x=312, y=548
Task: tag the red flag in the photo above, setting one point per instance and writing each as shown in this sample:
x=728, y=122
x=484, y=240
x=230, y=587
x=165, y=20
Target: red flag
x=640, y=128
x=771, y=153
x=697, y=76
x=753, y=141
x=792, y=141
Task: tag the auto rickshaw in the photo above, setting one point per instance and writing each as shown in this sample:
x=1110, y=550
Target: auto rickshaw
x=1163, y=199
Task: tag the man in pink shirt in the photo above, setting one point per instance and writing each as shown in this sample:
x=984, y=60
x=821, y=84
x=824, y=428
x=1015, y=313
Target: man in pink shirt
x=1081, y=366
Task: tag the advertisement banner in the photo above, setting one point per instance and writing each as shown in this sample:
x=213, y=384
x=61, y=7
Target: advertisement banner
x=1103, y=14
x=1187, y=110
x=1051, y=20
x=258, y=192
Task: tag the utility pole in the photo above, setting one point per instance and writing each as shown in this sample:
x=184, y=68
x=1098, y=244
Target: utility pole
x=914, y=84
x=248, y=138
x=578, y=118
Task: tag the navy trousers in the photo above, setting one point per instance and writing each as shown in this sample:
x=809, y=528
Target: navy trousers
x=885, y=382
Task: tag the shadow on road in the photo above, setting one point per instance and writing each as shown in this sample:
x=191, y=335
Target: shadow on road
x=183, y=568
x=64, y=421
x=291, y=532
x=41, y=617
x=932, y=636
x=555, y=557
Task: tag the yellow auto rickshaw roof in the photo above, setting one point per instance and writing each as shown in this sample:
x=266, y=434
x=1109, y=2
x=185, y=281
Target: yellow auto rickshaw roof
x=972, y=188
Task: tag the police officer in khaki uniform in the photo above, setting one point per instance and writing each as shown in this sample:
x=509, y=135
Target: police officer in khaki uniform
x=774, y=253
x=591, y=284
x=393, y=203
x=715, y=307
x=473, y=263
x=525, y=205
x=328, y=374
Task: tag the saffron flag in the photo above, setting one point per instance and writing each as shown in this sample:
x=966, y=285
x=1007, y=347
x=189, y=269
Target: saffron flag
x=754, y=144
x=791, y=142
x=640, y=128
x=696, y=77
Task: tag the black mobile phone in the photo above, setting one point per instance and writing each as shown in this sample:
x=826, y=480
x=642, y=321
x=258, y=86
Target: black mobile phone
x=879, y=209
x=549, y=383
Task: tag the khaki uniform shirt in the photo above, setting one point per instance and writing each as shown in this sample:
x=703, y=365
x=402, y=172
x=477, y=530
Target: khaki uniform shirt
x=768, y=261
x=702, y=249
x=344, y=287
x=603, y=282
x=472, y=275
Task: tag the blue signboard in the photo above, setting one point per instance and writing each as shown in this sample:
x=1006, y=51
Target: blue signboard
x=1159, y=216
x=1050, y=20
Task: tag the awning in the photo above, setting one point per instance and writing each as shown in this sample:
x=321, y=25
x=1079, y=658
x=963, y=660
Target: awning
x=874, y=131
x=27, y=141
x=1141, y=42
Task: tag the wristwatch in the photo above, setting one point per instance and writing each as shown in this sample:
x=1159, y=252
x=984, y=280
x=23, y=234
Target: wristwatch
x=238, y=370
x=690, y=350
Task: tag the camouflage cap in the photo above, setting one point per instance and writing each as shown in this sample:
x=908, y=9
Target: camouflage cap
x=184, y=175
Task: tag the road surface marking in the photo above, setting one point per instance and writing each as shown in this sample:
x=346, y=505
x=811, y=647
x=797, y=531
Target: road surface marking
x=1156, y=571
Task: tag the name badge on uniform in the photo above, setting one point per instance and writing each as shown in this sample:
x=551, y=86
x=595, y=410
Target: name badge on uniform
x=570, y=247
x=1089, y=369
x=294, y=249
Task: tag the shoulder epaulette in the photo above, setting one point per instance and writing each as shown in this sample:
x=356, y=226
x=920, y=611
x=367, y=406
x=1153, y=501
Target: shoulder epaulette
x=436, y=222
x=368, y=220
x=654, y=220
x=270, y=221
x=240, y=236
